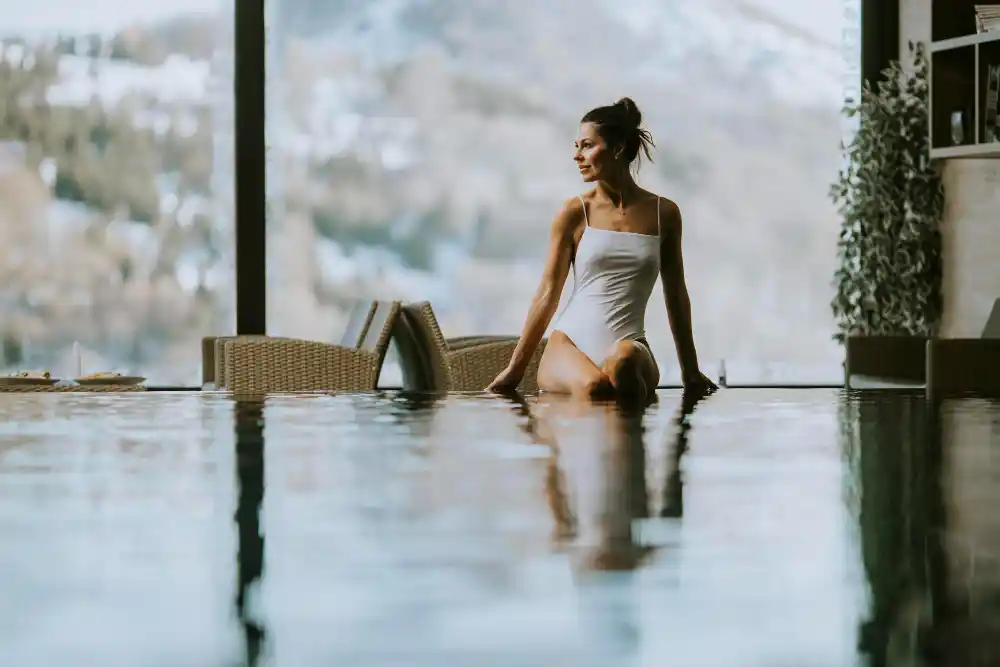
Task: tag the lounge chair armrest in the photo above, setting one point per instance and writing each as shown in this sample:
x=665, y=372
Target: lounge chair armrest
x=474, y=366
x=467, y=341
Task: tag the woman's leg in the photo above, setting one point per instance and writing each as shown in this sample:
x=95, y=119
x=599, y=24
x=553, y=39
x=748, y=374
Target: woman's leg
x=564, y=369
x=632, y=370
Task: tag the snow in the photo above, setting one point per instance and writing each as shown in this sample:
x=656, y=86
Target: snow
x=179, y=80
x=798, y=70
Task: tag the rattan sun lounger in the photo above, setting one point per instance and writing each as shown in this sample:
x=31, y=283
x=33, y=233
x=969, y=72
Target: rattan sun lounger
x=266, y=364
x=466, y=363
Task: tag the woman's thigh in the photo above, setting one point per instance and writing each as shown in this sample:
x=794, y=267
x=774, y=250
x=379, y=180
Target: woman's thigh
x=564, y=369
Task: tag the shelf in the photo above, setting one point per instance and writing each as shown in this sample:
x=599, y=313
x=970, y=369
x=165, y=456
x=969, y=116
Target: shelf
x=952, y=89
x=951, y=19
x=965, y=40
x=971, y=151
x=960, y=63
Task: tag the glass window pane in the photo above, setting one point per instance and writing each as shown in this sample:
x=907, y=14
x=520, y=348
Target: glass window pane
x=115, y=186
x=419, y=150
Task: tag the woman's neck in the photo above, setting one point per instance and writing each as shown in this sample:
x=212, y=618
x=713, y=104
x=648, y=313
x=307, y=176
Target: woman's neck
x=619, y=191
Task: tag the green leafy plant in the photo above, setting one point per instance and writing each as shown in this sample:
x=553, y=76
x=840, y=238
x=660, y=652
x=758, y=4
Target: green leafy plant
x=891, y=199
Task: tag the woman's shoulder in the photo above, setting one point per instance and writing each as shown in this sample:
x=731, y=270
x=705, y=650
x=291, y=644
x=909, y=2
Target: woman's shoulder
x=575, y=207
x=665, y=202
x=579, y=202
x=571, y=216
x=668, y=208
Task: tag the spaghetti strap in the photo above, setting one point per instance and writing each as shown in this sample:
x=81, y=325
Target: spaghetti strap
x=659, y=232
x=584, y=204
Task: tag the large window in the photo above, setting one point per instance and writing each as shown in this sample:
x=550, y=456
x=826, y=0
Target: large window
x=115, y=185
x=419, y=150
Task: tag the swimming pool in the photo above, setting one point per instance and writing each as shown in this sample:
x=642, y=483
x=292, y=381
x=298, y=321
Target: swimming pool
x=758, y=528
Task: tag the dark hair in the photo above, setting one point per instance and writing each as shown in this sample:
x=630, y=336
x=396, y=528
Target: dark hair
x=620, y=126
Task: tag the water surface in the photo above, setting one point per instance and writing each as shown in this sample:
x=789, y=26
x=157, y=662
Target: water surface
x=756, y=528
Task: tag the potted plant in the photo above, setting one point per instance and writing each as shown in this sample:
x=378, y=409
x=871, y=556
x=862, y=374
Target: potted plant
x=891, y=200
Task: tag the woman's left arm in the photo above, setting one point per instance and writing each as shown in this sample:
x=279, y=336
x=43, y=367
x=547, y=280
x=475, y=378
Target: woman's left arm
x=675, y=290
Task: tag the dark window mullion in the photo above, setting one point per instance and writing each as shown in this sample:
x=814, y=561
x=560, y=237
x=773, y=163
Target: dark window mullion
x=250, y=167
x=879, y=37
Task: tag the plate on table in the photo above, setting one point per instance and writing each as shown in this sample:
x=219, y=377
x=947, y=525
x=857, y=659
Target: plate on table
x=109, y=379
x=28, y=380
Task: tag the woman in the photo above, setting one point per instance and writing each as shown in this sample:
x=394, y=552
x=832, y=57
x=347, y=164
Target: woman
x=616, y=238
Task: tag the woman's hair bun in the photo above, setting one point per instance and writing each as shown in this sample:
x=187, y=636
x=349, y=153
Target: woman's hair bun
x=630, y=111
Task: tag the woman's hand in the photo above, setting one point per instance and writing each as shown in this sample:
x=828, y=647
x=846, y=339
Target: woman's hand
x=699, y=382
x=506, y=382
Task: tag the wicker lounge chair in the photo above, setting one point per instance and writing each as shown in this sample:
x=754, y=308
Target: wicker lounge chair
x=467, y=363
x=264, y=364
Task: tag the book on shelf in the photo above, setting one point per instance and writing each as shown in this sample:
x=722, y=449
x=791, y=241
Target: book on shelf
x=990, y=130
x=987, y=17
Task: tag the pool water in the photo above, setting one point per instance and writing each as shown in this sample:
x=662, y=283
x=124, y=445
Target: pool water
x=761, y=528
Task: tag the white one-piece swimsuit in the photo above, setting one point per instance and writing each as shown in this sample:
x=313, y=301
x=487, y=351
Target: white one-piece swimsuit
x=613, y=277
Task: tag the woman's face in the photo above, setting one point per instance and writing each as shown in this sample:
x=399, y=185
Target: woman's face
x=593, y=156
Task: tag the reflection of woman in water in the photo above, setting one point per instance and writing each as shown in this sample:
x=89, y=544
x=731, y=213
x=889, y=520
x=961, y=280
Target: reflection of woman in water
x=608, y=610
x=621, y=487
x=616, y=238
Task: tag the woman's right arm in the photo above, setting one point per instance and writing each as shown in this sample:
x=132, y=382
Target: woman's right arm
x=562, y=238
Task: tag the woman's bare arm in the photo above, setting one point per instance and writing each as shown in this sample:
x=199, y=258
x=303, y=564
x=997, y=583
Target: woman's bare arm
x=675, y=289
x=562, y=236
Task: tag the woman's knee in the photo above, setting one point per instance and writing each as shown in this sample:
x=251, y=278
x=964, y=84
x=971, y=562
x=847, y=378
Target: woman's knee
x=558, y=337
x=624, y=364
x=595, y=385
x=628, y=369
x=627, y=375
